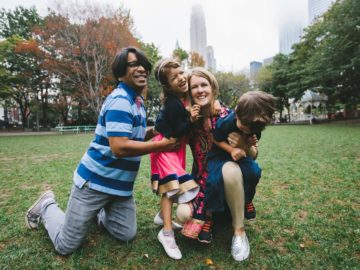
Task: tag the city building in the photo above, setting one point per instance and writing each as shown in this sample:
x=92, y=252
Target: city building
x=317, y=7
x=254, y=68
x=198, y=41
x=268, y=61
x=290, y=33
x=210, y=59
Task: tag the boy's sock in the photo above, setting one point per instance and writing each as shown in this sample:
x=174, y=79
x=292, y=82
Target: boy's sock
x=250, y=211
x=205, y=236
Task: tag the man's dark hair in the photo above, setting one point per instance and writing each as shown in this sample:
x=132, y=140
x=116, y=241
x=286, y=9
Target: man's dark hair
x=119, y=64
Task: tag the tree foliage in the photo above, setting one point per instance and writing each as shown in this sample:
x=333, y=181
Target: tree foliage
x=196, y=60
x=326, y=60
x=80, y=50
x=231, y=87
x=22, y=58
x=19, y=22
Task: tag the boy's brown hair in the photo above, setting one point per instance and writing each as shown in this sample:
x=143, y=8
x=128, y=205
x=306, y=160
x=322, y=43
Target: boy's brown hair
x=255, y=110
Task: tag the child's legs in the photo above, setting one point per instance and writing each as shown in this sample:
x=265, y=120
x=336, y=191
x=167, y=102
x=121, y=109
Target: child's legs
x=251, y=174
x=234, y=193
x=166, y=211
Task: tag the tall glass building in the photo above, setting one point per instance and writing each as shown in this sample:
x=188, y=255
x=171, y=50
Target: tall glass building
x=198, y=31
x=317, y=8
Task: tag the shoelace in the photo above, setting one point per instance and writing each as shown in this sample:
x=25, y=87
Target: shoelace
x=207, y=226
x=250, y=207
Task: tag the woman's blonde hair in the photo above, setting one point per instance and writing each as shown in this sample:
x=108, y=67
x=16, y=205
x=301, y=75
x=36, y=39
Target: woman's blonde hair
x=207, y=75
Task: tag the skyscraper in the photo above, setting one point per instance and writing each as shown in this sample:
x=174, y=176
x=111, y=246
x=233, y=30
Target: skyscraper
x=317, y=8
x=254, y=68
x=211, y=62
x=198, y=42
x=198, y=31
x=290, y=33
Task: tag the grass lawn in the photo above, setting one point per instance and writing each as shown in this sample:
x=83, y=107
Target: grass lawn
x=308, y=204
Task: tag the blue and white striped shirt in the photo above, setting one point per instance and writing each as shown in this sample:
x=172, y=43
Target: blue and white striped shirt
x=122, y=115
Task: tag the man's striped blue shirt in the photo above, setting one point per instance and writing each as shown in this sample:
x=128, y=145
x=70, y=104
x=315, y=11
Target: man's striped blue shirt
x=122, y=115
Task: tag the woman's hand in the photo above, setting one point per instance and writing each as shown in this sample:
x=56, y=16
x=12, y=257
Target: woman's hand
x=194, y=113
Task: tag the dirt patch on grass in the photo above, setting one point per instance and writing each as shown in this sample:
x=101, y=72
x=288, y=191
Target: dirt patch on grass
x=4, y=194
x=277, y=244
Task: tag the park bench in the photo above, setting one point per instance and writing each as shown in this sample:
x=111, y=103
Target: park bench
x=75, y=129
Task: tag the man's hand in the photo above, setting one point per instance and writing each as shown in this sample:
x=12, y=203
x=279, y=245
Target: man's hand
x=237, y=154
x=194, y=113
x=171, y=144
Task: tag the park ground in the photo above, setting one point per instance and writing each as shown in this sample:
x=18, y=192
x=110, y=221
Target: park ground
x=308, y=204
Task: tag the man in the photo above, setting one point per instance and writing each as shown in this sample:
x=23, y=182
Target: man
x=104, y=178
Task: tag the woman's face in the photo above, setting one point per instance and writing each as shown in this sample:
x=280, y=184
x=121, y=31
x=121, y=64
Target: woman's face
x=201, y=91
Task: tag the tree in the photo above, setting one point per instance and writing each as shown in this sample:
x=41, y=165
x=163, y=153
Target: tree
x=263, y=79
x=19, y=22
x=180, y=54
x=196, y=60
x=81, y=53
x=328, y=57
x=231, y=87
x=153, y=95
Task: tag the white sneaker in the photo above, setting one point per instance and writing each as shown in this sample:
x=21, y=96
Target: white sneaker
x=160, y=222
x=169, y=244
x=240, y=248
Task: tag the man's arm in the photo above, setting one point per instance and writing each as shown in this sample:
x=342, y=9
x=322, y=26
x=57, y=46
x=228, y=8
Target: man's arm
x=125, y=147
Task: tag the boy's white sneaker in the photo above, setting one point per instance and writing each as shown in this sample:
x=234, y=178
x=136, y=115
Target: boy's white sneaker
x=240, y=248
x=169, y=244
x=160, y=222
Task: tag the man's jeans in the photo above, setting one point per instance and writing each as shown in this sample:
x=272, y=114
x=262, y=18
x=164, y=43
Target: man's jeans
x=68, y=231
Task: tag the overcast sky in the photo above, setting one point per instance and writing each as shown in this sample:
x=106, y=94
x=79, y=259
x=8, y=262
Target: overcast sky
x=240, y=31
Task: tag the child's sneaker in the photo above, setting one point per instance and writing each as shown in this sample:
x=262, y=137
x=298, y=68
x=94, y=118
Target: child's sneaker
x=32, y=217
x=240, y=248
x=169, y=244
x=250, y=211
x=205, y=236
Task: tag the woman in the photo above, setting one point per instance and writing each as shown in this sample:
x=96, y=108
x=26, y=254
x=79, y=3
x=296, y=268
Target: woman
x=203, y=91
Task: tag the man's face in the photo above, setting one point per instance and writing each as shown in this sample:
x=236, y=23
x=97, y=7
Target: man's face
x=136, y=76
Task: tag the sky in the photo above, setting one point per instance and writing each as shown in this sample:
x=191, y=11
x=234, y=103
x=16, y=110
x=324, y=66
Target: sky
x=240, y=31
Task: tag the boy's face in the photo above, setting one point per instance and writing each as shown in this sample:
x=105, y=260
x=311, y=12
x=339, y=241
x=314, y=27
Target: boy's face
x=244, y=129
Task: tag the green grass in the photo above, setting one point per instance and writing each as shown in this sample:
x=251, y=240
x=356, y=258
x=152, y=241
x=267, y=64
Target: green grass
x=308, y=204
